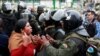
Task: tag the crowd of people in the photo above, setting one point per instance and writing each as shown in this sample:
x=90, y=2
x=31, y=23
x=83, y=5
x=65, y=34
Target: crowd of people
x=61, y=32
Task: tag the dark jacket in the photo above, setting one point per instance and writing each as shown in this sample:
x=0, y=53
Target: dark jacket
x=4, y=45
x=9, y=22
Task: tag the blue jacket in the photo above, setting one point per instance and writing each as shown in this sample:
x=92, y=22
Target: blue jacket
x=97, y=30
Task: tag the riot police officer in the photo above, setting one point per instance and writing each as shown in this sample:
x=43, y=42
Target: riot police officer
x=9, y=20
x=20, y=9
x=8, y=17
x=75, y=42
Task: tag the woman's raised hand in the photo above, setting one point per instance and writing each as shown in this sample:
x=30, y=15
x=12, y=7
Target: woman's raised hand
x=26, y=39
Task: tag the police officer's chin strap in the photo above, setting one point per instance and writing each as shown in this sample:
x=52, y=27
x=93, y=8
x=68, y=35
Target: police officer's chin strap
x=81, y=31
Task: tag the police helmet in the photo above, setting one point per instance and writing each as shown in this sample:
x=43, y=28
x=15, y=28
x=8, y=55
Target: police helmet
x=97, y=6
x=52, y=17
x=72, y=20
x=47, y=17
x=6, y=7
x=21, y=6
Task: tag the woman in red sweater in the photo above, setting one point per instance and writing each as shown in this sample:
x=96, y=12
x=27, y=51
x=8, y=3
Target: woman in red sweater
x=21, y=42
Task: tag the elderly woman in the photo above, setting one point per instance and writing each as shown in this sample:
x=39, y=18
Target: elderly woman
x=21, y=42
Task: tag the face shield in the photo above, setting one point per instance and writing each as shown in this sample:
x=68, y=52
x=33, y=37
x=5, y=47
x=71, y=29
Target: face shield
x=44, y=16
